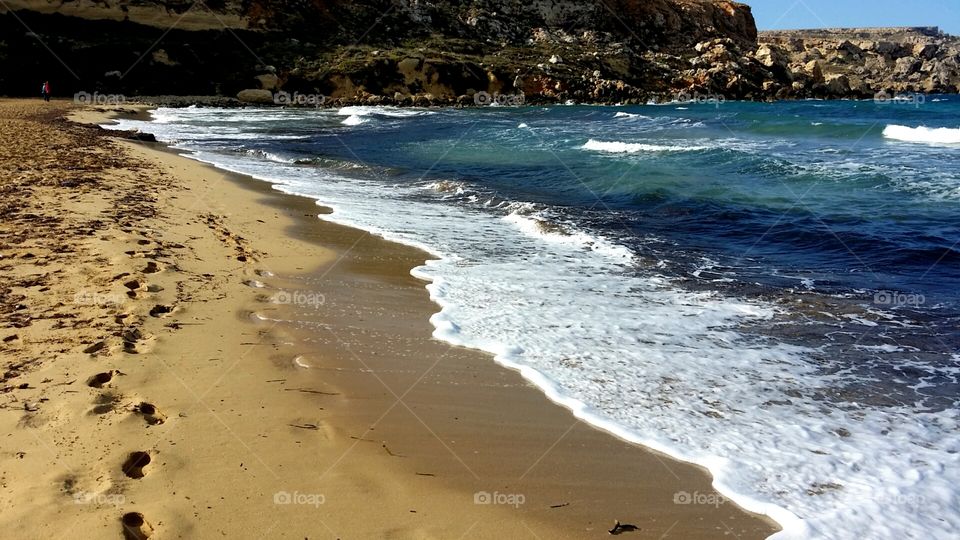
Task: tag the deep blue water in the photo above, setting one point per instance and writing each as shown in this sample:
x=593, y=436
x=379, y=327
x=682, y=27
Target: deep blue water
x=780, y=193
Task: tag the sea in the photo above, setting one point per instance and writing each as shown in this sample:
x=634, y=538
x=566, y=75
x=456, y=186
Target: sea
x=769, y=290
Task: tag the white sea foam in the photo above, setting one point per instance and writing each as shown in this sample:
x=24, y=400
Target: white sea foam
x=618, y=147
x=268, y=155
x=353, y=120
x=395, y=112
x=542, y=227
x=922, y=134
x=626, y=115
x=653, y=363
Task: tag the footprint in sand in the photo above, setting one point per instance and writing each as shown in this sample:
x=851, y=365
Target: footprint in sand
x=106, y=402
x=134, y=340
x=84, y=485
x=160, y=309
x=135, y=527
x=135, y=463
x=102, y=379
x=133, y=285
x=151, y=268
x=150, y=413
x=96, y=347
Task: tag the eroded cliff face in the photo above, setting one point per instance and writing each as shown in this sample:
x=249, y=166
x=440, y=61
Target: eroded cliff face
x=376, y=51
x=419, y=52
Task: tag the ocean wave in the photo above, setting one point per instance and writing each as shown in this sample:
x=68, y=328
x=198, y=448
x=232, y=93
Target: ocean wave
x=448, y=186
x=618, y=147
x=353, y=120
x=269, y=156
x=922, y=134
x=631, y=116
x=553, y=230
x=394, y=112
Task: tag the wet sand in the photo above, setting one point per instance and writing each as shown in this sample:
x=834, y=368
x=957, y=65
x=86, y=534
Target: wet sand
x=298, y=392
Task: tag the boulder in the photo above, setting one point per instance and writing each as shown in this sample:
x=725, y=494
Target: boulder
x=409, y=64
x=886, y=48
x=268, y=81
x=906, y=66
x=927, y=51
x=861, y=88
x=257, y=96
x=813, y=69
x=849, y=48
x=837, y=85
x=776, y=60
x=770, y=56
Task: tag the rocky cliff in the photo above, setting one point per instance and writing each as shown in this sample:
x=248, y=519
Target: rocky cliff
x=416, y=52
x=862, y=62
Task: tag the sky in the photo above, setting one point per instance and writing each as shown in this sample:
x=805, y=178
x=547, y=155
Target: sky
x=790, y=14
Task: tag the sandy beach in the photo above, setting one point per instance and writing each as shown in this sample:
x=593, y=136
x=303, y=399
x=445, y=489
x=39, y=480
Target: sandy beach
x=191, y=354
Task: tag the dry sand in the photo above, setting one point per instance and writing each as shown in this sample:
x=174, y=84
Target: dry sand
x=152, y=368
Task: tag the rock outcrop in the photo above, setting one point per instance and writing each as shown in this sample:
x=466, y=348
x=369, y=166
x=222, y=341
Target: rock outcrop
x=334, y=52
x=863, y=62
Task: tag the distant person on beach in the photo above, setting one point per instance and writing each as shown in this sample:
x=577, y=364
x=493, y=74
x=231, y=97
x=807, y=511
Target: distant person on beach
x=45, y=91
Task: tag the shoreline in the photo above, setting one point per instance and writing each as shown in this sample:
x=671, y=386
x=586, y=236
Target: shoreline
x=532, y=377
x=358, y=379
x=226, y=102
x=417, y=258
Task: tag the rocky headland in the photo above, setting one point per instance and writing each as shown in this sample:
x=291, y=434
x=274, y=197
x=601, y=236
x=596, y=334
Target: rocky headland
x=861, y=62
x=409, y=52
